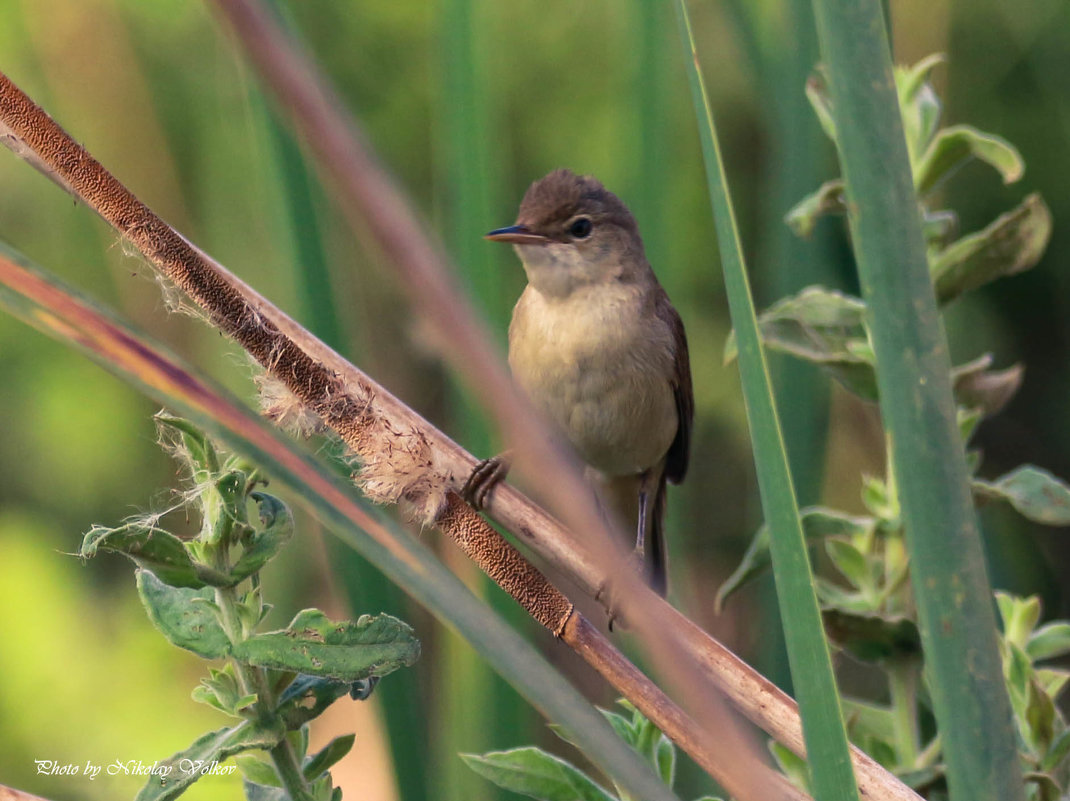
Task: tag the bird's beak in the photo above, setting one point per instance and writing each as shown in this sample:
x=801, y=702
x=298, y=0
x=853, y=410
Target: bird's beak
x=516, y=235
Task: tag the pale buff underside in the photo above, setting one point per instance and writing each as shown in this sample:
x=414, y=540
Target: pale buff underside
x=599, y=364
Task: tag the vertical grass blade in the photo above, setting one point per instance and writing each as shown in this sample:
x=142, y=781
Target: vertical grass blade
x=952, y=592
x=832, y=778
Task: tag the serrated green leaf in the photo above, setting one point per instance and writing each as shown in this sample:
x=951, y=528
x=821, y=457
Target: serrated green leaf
x=818, y=523
x=183, y=621
x=347, y=651
x=1049, y=641
x=277, y=529
x=534, y=772
x=1011, y=244
x=824, y=327
x=153, y=549
x=957, y=144
x=322, y=761
x=873, y=637
x=174, y=776
x=828, y=199
x=1033, y=492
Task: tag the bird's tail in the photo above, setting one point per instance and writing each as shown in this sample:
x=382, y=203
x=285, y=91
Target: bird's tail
x=657, y=556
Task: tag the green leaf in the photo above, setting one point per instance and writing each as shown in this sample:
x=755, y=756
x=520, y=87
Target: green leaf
x=322, y=761
x=535, y=773
x=220, y=690
x=347, y=651
x=978, y=387
x=850, y=561
x=1058, y=751
x=817, y=94
x=306, y=698
x=1033, y=492
x=665, y=760
x=153, y=549
x=277, y=529
x=621, y=725
x=1053, y=681
x=818, y=524
x=1011, y=244
x=174, y=775
x=828, y=199
x=957, y=144
x=918, y=103
x=1049, y=641
x=1019, y=616
x=186, y=617
x=258, y=771
x=822, y=326
x=866, y=719
x=192, y=445
x=260, y=792
x=873, y=637
x=791, y=765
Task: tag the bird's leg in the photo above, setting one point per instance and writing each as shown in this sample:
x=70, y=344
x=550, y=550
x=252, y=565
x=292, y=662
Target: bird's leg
x=484, y=477
x=644, y=497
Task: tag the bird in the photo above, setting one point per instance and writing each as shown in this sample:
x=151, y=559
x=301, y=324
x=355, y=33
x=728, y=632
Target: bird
x=601, y=352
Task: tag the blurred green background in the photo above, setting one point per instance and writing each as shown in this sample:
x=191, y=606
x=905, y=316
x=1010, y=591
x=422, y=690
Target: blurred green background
x=467, y=101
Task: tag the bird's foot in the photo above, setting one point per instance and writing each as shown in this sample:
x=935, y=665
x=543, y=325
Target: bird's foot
x=485, y=477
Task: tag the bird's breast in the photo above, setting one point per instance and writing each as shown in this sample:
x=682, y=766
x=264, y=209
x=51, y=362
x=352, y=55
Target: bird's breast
x=599, y=364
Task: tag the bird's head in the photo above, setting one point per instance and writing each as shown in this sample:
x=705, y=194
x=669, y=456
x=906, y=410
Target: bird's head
x=571, y=231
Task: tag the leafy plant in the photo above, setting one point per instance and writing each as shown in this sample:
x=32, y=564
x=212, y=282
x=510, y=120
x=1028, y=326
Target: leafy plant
x=828, y=327
x=204, y=595
x=536, y=773
x=868, y=607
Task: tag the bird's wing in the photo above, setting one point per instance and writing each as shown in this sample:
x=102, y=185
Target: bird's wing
x=680, y=450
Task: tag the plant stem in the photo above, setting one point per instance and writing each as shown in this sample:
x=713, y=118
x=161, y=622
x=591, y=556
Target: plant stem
x=289, y=771
x=903, y=686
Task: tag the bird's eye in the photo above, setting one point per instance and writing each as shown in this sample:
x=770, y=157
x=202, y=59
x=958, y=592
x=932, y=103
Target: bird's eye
x=581, y=228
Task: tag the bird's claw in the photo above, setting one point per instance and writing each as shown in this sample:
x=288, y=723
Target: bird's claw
x=485, y=477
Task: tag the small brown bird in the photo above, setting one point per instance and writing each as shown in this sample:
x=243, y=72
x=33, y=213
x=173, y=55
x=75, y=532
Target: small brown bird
x=598, y=347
